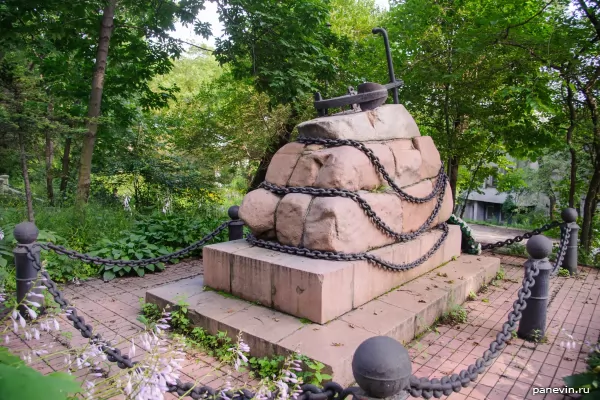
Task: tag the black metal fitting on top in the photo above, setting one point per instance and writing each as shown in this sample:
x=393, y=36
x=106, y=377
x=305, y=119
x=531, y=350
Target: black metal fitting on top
x=368, y=95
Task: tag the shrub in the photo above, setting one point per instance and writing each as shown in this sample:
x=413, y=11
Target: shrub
x=131, y=247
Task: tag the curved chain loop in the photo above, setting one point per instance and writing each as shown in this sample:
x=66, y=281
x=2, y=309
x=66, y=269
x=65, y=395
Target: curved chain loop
x=145, y=261
x=426, y=388
x=338, y=256
x=381, y=225
x=519, y=238
x=441, y=181
x=439, y=190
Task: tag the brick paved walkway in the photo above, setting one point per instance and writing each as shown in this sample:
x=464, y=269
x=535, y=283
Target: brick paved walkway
x=112, y=308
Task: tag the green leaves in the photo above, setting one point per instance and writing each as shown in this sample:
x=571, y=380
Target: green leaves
x=19, y=381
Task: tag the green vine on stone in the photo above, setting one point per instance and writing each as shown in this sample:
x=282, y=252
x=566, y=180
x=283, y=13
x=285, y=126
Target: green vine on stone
x=469, y=244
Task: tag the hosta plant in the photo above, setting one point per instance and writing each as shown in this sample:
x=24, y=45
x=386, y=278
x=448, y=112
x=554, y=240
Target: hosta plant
x=131, y=247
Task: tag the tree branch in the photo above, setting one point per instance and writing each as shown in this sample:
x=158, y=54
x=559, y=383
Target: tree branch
x=556, y=67
x=166, y=35
x=591, y=16
x=528, y=19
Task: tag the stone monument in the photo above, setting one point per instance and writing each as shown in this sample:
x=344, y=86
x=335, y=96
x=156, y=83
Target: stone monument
x=347, y=219
x=362, y=187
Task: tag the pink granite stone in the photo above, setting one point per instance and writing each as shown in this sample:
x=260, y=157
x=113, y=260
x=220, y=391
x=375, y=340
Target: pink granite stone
x=431, y=156
x=258, y=211
x=283, y=163
x=290, y=217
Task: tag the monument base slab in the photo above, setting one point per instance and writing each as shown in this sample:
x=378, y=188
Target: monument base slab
x=401, y=314
x=318, y=290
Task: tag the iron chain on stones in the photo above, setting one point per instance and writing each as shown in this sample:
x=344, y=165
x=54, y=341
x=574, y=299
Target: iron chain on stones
x=437, y=193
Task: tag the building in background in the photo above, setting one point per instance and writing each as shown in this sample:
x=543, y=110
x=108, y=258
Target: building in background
x=486, y=203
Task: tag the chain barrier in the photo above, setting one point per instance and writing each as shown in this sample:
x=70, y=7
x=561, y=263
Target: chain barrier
x=419, y=387
x=520, y=238
x=565, y=236
x=145, y=261
x=428, y=388
x=330, y=391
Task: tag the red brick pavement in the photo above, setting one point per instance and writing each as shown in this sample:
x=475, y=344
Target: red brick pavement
x=112, y=308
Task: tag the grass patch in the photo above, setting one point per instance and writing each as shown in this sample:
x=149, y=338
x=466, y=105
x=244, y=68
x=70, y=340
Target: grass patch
x=456, y=315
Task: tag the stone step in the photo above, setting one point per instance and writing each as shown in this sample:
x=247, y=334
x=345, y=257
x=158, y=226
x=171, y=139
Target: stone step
x=402, y=313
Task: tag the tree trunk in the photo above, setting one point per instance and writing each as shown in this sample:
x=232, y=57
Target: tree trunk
x=552, y=205
x=472, y=181
x=590, y=199
x=282, y=140
x=49, y=159
x=588, y=209
x=572, y=116
x=453, y=175
x=28, y=195
x=94, y=106
x=64, y=179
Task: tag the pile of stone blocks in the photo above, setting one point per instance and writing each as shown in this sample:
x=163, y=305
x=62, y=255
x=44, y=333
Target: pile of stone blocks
x=321, y=290
x=337, y=223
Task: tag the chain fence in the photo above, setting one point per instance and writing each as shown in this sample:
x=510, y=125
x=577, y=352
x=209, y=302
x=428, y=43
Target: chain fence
x=135, y=263
x=419, y=387
x=520, y=238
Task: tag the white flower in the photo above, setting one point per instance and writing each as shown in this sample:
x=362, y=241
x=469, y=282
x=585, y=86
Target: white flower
x=32, y=314
x=6, y=339
x=1, y=234
x=15, y=325
x=132, y=349
x=33, y=303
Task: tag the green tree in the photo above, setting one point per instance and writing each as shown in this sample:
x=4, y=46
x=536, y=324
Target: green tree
x=563, y=38
x=462, y=88
x=285, y=49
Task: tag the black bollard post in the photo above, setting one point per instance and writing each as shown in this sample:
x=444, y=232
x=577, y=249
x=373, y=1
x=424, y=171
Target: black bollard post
x=569, y=215
x=26, y=234
x=382, y=368
x=236, y=225
x=532, y=326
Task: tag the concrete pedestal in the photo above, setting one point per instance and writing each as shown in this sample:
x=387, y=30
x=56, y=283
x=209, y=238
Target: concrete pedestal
x=317, y=290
